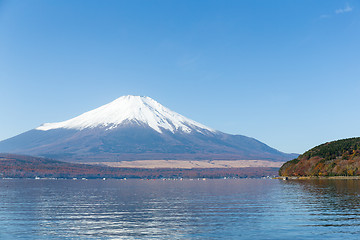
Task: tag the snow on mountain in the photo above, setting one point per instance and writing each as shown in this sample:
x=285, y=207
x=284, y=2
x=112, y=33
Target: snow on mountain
x=136, y=128
x=138, y=109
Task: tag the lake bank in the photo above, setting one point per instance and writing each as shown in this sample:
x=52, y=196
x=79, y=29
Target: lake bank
x=318, y=177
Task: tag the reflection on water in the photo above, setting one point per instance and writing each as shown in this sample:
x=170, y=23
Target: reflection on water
x=331, y=203
x=157, y=209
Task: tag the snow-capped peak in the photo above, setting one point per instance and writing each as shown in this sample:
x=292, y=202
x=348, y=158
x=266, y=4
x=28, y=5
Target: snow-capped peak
x=130, y=108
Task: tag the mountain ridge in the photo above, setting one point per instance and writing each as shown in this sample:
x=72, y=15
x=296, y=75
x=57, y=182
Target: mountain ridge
x=140, y=109
x=136, y=128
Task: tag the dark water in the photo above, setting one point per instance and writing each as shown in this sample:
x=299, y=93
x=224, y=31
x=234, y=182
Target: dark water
x=157, y=209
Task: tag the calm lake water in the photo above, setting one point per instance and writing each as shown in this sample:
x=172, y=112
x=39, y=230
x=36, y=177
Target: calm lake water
x=157, y=209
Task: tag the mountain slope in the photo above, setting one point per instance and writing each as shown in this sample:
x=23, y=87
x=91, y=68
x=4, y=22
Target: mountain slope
x=127, y=109
x=136, y=128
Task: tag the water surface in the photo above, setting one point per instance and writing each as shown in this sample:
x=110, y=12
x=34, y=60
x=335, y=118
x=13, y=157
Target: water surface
x=158, y=209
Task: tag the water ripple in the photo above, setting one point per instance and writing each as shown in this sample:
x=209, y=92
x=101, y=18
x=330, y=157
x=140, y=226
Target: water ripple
x=212, y=209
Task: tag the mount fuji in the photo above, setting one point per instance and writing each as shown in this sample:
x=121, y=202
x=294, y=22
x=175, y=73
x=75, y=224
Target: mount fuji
x=136, y=128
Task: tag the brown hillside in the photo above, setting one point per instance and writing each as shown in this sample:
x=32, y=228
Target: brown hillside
x=338, y=158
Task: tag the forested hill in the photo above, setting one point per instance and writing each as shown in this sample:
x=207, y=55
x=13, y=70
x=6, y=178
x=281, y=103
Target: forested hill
x=337, y=158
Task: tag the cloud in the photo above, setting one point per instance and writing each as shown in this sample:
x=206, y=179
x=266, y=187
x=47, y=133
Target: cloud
x=344, y=10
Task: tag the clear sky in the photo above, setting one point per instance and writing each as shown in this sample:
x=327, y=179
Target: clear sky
x=284, y=72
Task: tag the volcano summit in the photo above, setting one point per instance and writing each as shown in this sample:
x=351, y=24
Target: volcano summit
x=136, y=128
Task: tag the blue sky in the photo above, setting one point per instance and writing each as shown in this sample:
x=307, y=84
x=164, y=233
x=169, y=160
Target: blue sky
x=284, y=72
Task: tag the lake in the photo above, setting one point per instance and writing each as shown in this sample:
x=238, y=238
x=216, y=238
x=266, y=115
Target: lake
x=174, y=209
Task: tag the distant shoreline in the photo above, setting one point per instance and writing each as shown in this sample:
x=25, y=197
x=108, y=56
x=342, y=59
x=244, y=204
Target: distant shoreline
x=190, y=164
